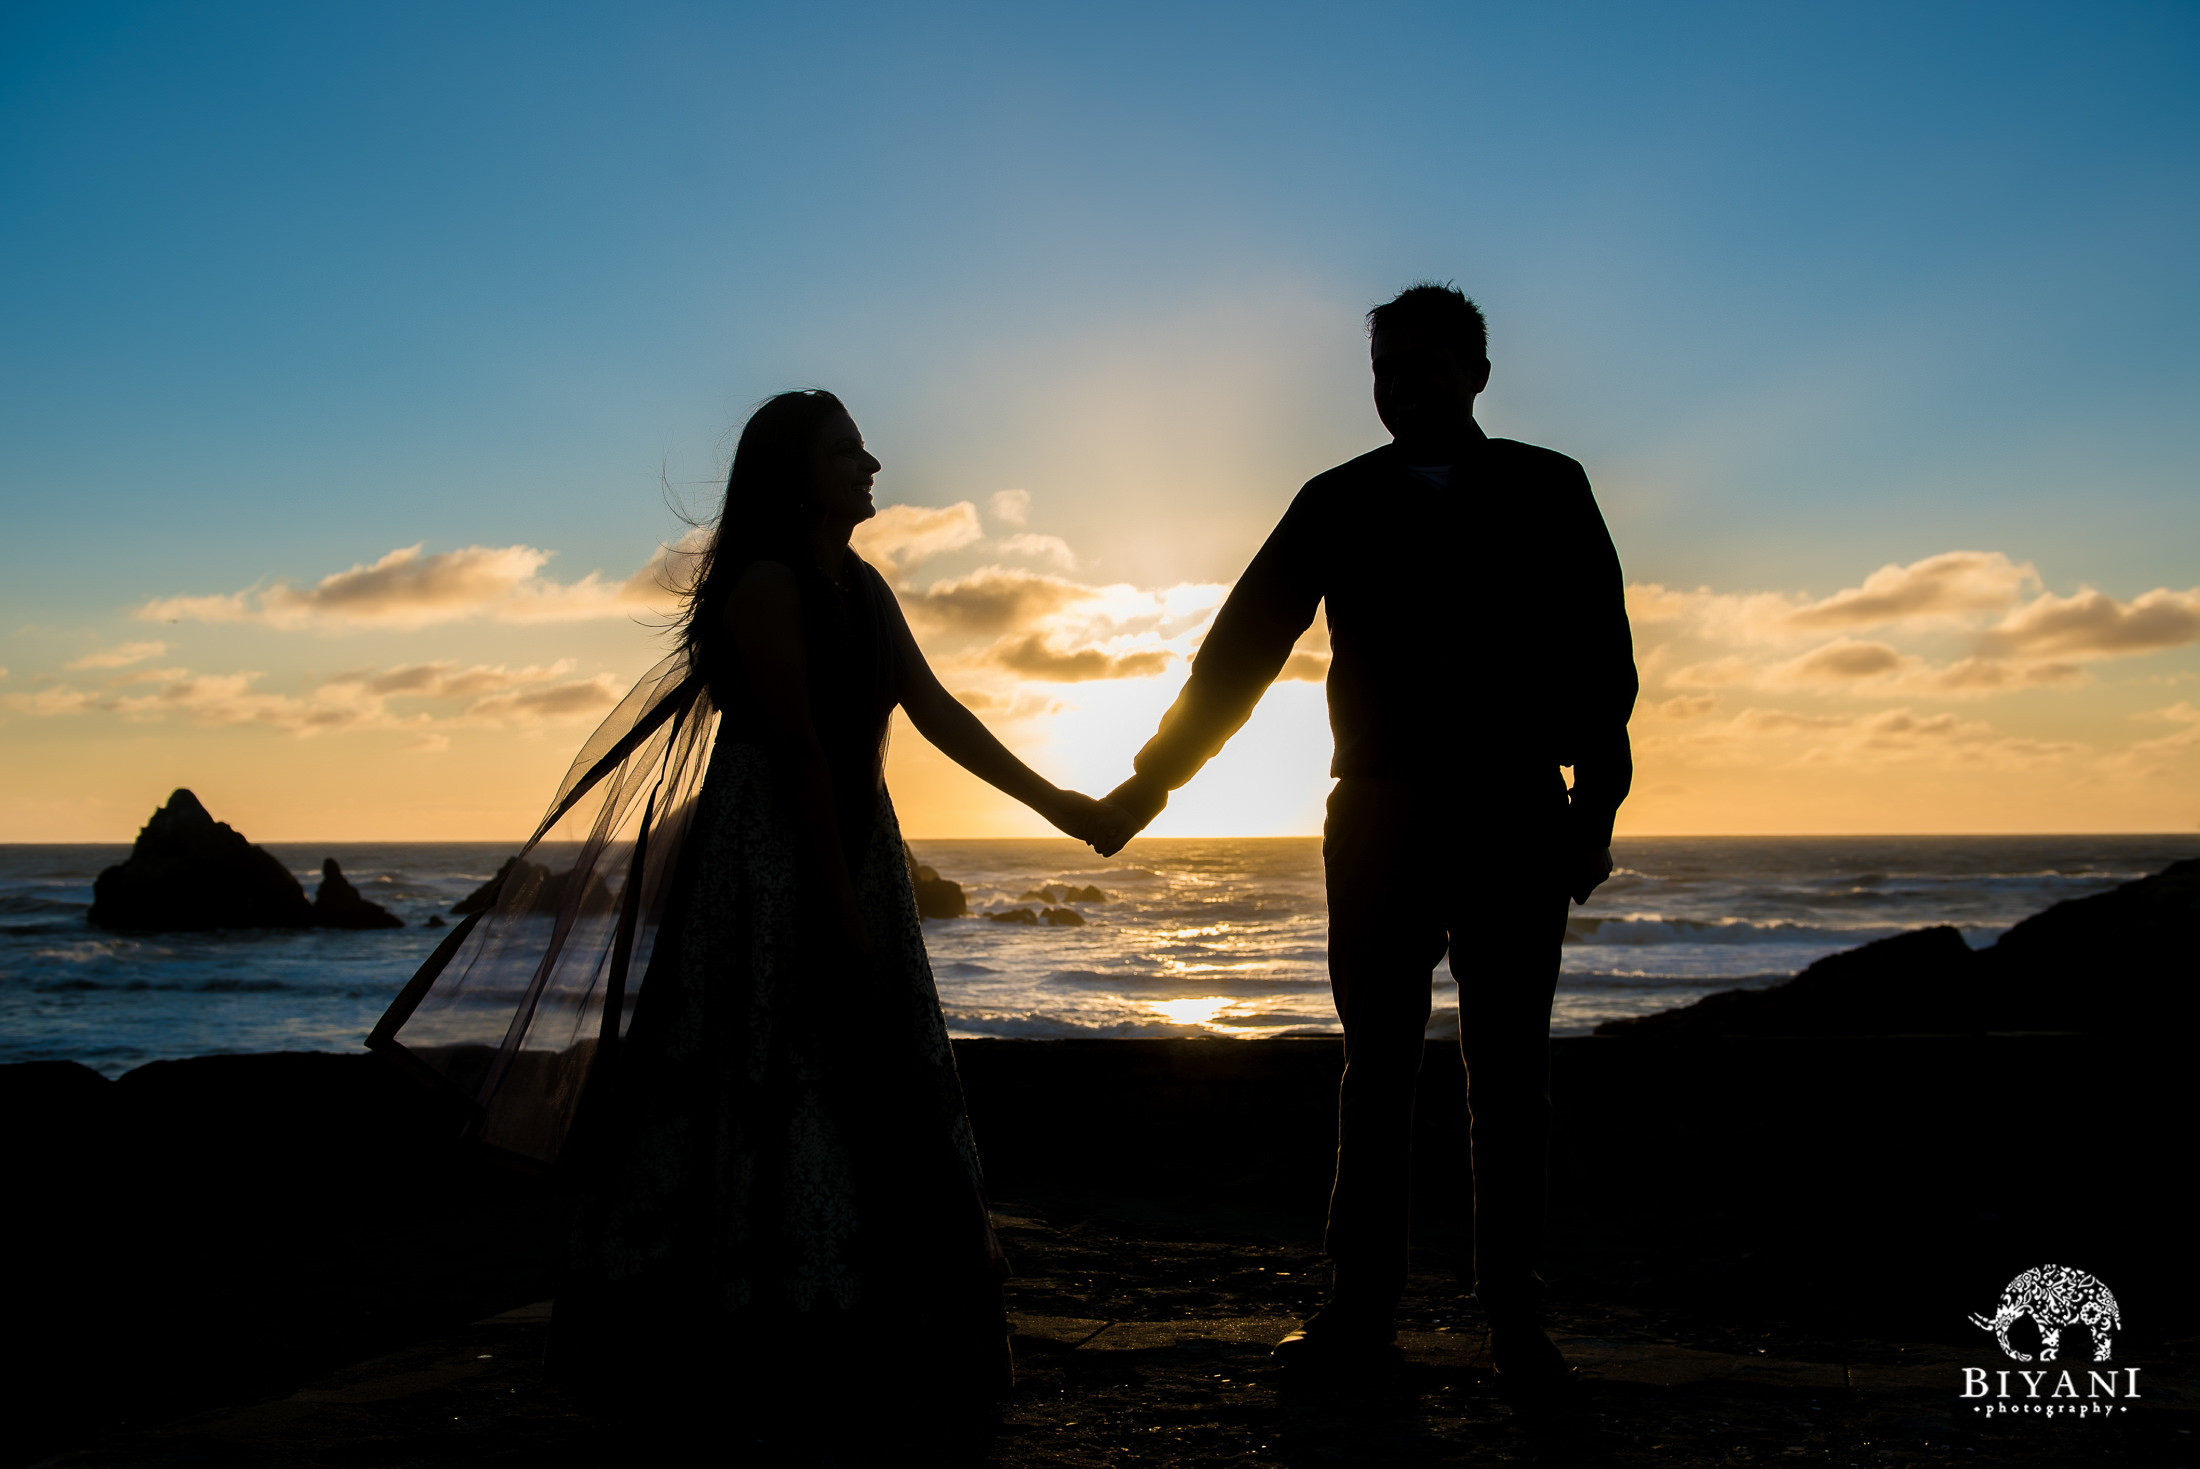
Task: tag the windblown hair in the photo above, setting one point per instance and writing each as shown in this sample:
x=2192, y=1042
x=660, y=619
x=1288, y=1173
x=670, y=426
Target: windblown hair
x=764, y=513
x=1444, y=311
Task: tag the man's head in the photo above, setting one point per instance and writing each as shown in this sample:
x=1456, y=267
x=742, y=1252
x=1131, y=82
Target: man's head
x=1429, y=347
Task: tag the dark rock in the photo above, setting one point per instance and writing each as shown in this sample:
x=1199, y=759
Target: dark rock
x=936, y=896
x=1055, y=892
x=338, y=904
x=1921, y=982
x=189, y=871
x=2123, y=961
x=1015, y=915
x=1064, y=917
x=537, y=888
x=2127, y=960
x=481, y=897
x=435, y=920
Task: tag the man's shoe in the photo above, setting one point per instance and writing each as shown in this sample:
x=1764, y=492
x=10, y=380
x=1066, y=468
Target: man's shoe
x=1341, y=1341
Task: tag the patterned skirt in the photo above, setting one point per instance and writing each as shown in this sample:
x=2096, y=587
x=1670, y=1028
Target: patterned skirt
x=781, y=1168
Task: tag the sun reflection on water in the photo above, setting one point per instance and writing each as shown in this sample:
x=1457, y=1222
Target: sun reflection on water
x=1201, y=1011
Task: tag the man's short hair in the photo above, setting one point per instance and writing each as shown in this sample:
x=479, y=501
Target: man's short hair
x=1444, y=312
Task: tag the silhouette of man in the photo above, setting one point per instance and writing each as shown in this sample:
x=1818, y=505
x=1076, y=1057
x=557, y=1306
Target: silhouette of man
x=1479, y=643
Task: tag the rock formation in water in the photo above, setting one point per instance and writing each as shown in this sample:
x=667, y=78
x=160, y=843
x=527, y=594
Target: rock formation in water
x=540, y=889
x=936, y=896
x=1062, y=893
x=189, y=871
x=2126, y=960
x=481, y=897
x=338, y=904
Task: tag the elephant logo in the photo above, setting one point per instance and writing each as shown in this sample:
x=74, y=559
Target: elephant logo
x=2054, y=1296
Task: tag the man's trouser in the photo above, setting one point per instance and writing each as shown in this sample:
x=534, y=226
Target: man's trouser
x=1411, y=872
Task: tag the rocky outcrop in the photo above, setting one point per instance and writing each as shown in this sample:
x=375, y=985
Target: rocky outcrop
x=2123, y=961
x=481, y=897
x=936, y=896
x=536, y=886
x=338, y=904
x=1056, y=892
x=1056, y=917
x=191, y=872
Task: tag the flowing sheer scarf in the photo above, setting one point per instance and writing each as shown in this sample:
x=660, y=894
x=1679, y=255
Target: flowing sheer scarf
x=527, y=999
x=529, y=996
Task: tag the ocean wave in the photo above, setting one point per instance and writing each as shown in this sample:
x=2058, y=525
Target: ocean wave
x=1676, y=984
x=15, y=903
x=1034, y=1025
x=1658, y=929
x=187, y=987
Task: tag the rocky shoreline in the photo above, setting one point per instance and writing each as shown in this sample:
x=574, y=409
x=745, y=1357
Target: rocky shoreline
x=230, y=1230
x=1767, y=1208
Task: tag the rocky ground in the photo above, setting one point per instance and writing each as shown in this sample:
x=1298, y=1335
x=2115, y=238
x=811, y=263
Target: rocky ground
x=1142, y=1339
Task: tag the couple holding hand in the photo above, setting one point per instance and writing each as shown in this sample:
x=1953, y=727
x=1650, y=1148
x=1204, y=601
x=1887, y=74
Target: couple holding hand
x=785, y=1177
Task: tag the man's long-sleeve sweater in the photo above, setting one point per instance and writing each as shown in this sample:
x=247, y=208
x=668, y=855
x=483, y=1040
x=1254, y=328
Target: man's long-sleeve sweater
x=1478, y=632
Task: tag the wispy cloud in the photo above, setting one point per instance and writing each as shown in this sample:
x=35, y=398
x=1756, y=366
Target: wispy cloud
x=902, y=536
x=1962, y=624
x=120, y=656
x=363, y=699
x=2091, y=624
x=409, y=589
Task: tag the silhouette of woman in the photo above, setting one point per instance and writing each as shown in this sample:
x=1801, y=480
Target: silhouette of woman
x=781, y=1187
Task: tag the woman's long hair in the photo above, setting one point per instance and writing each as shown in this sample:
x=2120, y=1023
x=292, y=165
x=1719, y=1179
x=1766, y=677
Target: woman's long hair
x=765, y=512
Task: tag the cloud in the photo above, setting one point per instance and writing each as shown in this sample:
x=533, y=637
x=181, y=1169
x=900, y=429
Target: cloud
x=994, y=599
x=558, y=702
x=2177, y=742
x=57, y=701
x=2091, y=624
x=1893, y=736
x=1680, y=706
x=1032, y=656
x=1844, y=660
x=902, y=536
x=1715, y=674
x=1010, y=507
x=406, y=589
x=1039, y=548
x=1952, y=584
x=449, y=681
x=358, y=700
x=118, y=657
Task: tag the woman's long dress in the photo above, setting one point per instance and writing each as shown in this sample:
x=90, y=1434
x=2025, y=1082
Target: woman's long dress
x=782, y=1180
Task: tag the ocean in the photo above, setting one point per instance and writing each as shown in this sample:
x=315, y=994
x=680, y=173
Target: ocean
x=1214, y=936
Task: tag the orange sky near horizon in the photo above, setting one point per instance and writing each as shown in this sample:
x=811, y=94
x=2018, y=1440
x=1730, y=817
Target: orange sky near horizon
x=1958, y=693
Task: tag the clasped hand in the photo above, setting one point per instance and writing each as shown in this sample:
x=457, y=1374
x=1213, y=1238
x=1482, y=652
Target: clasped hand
x=1101, y=825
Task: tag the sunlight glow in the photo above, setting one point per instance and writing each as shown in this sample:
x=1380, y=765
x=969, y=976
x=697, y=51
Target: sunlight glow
x=1201, y=1011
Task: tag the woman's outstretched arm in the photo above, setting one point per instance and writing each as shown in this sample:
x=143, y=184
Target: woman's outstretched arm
x=960, y=735
x=764, y=622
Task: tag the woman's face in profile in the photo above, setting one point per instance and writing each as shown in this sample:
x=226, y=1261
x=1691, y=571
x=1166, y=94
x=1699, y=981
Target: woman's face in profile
x=840, y=473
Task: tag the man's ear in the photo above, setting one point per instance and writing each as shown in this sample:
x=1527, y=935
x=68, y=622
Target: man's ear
x=1478, y=376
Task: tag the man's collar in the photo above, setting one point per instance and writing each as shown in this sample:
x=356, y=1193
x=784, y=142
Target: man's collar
x=1475, y=442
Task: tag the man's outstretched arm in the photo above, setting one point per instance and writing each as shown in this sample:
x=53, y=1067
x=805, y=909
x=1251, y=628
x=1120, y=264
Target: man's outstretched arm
x=1253, y=633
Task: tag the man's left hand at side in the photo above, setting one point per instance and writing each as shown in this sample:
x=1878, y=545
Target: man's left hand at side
x=1588, y=850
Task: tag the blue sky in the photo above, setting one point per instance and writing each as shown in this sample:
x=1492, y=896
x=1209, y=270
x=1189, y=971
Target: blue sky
x=1811, y=290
